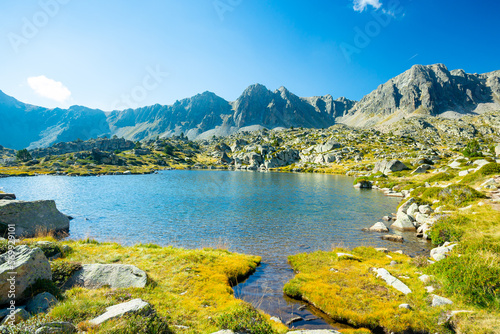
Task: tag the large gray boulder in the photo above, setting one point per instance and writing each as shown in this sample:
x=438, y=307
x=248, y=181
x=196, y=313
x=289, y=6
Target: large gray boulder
x=30, y=218
x=403, y=223
x=386, y=167
x=95, y=276
x=28, y=264
x=134, y=306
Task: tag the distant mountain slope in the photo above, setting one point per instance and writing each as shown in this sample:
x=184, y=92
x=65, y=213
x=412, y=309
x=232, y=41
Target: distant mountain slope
x=23, y=125
x=427, y=91
x=421, y=91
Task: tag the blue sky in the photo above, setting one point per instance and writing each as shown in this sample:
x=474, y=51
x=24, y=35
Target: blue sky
x=118, y=54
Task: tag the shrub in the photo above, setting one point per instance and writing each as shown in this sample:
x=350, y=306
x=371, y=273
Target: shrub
x=244, y=318
x=473, y=149
x=474, y=277
x=490, y=169
x=457, y=195
x=448, y=229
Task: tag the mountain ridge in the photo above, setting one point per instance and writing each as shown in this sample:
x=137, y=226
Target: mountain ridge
x=423, y=90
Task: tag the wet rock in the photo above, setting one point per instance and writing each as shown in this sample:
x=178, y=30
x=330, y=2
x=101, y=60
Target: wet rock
x=393, y=237
x=379, y=227
x=294, y=319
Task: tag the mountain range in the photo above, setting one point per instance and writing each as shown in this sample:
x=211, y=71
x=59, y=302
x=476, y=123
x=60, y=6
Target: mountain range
x=430, y=90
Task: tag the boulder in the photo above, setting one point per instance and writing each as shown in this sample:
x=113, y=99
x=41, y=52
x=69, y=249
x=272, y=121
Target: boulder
x=386, y=167
x=425, y=209
x=379, y=227
x=497, y=150
x=406, y=205
x=439, y=301
x=364, y=184
x=29, y=266
x=41, y=303
x=391, y=280
x=421, y=169
x=30, y=218
x=403, y=223
x=439, y=253
x=16, y=317
x=57, y=328
x=95, y=276
x=412, y=210
x=134, y=306
x=327, y=146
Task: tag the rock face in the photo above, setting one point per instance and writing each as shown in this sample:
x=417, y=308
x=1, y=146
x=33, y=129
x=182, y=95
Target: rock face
x=94, y=276
x=135, y=306
x=32, y=217
x=427, y=91
x=29, y=266
x=386, y=167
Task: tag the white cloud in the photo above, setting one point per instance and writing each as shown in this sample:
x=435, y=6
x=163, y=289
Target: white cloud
x=360, y=5
x=49, y=88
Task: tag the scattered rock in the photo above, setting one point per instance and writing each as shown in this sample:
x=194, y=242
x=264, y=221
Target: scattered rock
x=276, y=319
x=364, y=184
x=403, y=223
x=439, y=301
x=439, y=253
x=425, y=209
x=57, y=328
x=30, y=218
x=29, y=266
x=41, y=303
x=379, y=227
x=406, y=306
x=391, y=280
x=425, y=278
x=95, y=276
x=315, y=331
x=134, y=306
x=386, y=167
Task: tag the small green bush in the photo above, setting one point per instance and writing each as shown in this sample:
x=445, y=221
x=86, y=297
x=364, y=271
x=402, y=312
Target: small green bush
x=244, y=318
x=448, y=229
x=134, y=324
x=473, y=149
x=490, y=169
x=457, y=195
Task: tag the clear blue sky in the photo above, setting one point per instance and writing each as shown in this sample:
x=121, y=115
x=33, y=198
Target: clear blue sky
x=93, y=53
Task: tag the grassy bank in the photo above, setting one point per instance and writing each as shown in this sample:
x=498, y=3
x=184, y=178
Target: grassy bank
x=190, y=289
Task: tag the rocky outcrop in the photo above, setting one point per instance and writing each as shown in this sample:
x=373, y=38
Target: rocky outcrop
x=134, y=306
x=28, y=264
x=30, y=218
x=427, y=91
x=95, y=276
x=96, y=145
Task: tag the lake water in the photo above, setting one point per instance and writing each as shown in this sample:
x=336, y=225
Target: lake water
x=272, y=215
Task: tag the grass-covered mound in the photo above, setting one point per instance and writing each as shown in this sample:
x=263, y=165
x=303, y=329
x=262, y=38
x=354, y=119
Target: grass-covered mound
x=348, y=291
x=189, y=289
